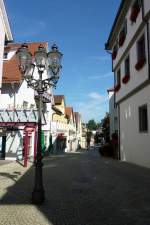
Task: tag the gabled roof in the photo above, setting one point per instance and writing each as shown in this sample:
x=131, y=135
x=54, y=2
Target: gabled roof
x=68, y=112
x=11, y=71
x=58, y=99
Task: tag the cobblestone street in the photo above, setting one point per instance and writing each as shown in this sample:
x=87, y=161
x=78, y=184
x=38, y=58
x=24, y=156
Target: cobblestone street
x=81, y=189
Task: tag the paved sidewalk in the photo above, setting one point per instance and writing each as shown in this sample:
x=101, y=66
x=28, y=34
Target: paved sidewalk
x=81, y=189
x=3, y=162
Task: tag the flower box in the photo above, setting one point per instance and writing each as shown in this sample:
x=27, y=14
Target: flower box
x=121, y=38
x=134, y=13
x=114, y=54
x=140, y=64
x=126, y=78
x=117, y=87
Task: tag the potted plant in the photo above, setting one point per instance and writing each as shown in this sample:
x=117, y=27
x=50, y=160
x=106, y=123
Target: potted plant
x=126, y=78
x=140, y=64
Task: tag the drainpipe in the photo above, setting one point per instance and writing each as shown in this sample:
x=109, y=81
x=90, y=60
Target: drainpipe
x=148, y=47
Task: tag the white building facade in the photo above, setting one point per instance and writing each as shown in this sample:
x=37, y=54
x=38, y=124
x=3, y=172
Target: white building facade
x=113, y=127
x=19, y=109
x=5, y=34
x=129, y=42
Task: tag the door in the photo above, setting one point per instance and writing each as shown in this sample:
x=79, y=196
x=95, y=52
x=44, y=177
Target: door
x=2, y=147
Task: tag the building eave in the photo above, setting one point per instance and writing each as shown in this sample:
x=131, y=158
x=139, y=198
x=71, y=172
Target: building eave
x=5, y=21
x=119, y=16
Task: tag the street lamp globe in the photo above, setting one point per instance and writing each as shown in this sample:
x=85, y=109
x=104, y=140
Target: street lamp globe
x=24, y=57
x=41, y=58
x=54, y=60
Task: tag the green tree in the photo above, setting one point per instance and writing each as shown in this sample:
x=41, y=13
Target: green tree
x=105, y=127
x=91, y=125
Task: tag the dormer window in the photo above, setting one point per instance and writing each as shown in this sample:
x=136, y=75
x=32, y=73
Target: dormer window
x=135, y=10
x=115, y=50
x=123, y=33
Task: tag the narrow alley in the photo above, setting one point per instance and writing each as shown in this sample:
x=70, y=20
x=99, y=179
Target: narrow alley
x=81, y=189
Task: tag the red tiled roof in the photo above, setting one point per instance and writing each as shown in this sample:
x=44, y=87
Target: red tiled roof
x=69, y=111
x=58, y=99
x=11, y=71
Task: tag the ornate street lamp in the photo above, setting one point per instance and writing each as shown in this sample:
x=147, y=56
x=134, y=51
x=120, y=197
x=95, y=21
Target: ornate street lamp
x=51, y=62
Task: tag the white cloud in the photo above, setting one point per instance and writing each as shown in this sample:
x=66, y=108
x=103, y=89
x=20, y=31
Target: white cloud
x=97, y=96
x=103, y=76
x=94, y=107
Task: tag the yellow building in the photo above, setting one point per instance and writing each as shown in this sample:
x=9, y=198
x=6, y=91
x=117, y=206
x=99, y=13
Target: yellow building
x=59, y=124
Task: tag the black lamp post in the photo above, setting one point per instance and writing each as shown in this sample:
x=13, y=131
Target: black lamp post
x=51, y=62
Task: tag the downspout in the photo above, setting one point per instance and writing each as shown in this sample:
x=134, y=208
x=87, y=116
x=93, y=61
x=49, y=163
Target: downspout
x=148, y=48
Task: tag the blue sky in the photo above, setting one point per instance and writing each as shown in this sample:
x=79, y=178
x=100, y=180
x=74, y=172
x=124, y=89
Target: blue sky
x=80, y=28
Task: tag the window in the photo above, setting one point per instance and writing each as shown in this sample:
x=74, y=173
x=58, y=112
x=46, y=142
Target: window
x=32, y=106
x=118, y=81
x=141, y=48
x=135, y=10
x=141, y=56
x=126, y=77
x=123, y=33
x=127, y=66
x=143, y=119
x=25, y=105
x=115, y=50
x=118, y=77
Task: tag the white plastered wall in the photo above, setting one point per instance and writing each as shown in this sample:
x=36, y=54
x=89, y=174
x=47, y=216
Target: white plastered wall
x=134, y=145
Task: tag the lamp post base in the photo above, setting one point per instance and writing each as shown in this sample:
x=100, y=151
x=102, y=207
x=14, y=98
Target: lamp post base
x=38, y=197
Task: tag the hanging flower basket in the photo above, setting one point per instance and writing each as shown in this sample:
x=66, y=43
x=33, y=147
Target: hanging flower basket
x=140, y=64
x=126, y=78
x=121, y=38
x=134, y=13
x=114, y=54
x=117, y=87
